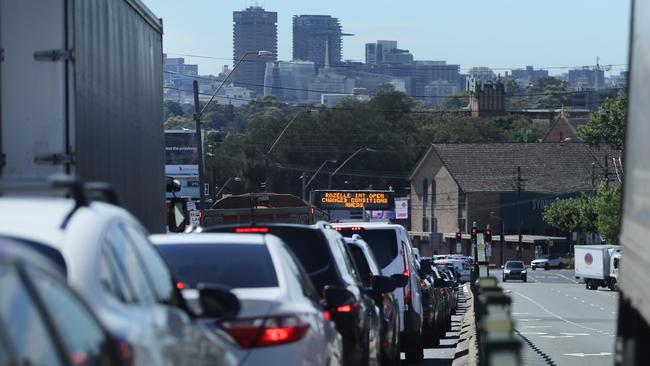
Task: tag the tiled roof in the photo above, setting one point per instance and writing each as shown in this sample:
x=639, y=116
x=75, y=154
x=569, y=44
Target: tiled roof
x=545, y=167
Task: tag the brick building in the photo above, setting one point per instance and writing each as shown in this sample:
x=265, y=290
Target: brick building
x=565, y=128
x=454, y=185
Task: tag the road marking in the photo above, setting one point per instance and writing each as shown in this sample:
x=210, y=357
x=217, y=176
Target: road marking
x=588, y=354
x=555, y=315
x=560, y=336
x=528, y=320
x=602, y=309
x=582, y=301
x=592, y=305
x=576, y=334
x=532, y=333
x=613, y=312
x=567, y=278
x=575, y=298
x=537, y=326
x=520, y=313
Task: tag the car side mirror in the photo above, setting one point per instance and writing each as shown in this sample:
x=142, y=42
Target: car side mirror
x=217, y=301
x=172, y=185
x=383, y=284
x=400, y=280
x=336, y=296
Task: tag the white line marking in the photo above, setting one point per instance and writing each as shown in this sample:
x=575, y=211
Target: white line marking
x=536, y=326
x=575, y=298
x=532, y=333
x=520, y=313
x=613, y=312
x=588, y=354
x=576, y=334
x=560, y=336
x=592, y=305
x=602, y=309
x=528, y=320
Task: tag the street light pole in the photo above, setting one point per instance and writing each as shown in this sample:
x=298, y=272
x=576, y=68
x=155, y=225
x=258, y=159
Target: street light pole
x=198, y=113
x=267, y=155
x=236, y=179
x=304, y=188
x=329, y=180
x=503, y=229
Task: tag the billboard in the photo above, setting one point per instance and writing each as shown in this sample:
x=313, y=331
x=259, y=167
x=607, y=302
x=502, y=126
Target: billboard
x=181, y=155
x=354, y=200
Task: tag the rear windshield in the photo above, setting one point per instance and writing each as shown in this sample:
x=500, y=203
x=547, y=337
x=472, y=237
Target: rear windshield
x=361, y=262
x=382, y=241
x=234, y=265
x=515, y=265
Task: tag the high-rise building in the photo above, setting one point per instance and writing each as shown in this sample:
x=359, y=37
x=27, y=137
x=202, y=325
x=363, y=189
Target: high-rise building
x=314, y=36
x=587, y=78
x=528, y=75
x=376, y=52
x=178, y=78
x=289, y=80
x=254, y=29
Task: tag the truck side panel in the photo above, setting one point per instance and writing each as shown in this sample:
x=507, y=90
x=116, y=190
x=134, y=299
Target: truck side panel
x=590, y=262
x=32, y=92
x=118, y=90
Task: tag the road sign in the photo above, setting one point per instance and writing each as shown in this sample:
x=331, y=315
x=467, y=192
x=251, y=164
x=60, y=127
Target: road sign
x=195, y=218
x=354, y=200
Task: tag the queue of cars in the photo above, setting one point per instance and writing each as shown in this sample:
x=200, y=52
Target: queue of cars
x=96, y=289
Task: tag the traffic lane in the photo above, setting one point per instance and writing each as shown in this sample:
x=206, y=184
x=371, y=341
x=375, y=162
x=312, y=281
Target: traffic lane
x=550, y=276
x=444, y=354
x=565, y=330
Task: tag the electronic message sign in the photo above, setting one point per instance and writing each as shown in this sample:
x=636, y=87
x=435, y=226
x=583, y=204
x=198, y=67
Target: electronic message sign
x=354, y=200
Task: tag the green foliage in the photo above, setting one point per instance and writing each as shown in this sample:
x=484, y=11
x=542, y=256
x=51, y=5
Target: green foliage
x=607, y=126
x=454, y=102
x=179, y=122
x=171, y=109
x=588, y=214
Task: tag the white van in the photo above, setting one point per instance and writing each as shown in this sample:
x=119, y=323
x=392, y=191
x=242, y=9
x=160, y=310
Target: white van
x=392, y=247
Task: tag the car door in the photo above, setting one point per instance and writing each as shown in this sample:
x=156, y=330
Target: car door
x=187, y=343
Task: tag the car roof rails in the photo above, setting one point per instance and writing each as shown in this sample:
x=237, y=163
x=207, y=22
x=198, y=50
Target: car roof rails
x=106, y=190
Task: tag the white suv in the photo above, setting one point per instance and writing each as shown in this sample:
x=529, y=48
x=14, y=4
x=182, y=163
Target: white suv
x=392, y=247
x=111, y=263
x=546, y=262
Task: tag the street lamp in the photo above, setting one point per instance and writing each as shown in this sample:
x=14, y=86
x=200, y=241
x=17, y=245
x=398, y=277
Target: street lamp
x=492, y=215
x=267, y=155
x=198, y=113
x=329, y=181
x=236, y=179
x=304, y=177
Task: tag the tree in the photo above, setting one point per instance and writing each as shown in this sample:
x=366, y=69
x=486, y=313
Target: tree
x=455, y=101
x=607, y=207
x=555, y=93
x=178, y=122
x=563, y=214
x=607, y=126
x=172, y=109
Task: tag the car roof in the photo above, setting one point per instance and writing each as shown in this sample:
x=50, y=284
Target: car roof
x=274, y=224
x=367, y=224
x=207, y=238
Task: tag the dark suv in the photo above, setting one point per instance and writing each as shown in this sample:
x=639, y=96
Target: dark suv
x=325, y=256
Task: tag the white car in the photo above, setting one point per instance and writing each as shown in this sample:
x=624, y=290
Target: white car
x=110, y=261
x=463, y=269
x=281, y=321
x=546, y=262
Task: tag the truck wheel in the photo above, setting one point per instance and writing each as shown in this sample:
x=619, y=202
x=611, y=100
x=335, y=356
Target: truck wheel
x=588, y=285
x=613, y=285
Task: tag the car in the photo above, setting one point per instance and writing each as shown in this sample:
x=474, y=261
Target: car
x=462, y=268
x=281, y=320
x=386, y=302
x=392, y=247
x=42, y=320
x=547, y=262
x=433, y=331
x=514, y=270
x=111, y=263
x=326, y=258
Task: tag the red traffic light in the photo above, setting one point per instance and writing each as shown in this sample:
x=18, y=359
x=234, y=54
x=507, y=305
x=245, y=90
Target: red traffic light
x=459, y=235
x=474, y=230
x=488, y=232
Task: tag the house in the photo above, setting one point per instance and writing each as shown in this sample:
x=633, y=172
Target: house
x=454, y=185
x=565, y=128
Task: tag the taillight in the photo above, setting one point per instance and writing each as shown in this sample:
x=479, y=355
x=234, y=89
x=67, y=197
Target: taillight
x=407, y=273
x=248, y=230
x=125, y=350
x=327, y=315
x=344, y=309
x=180, y=285
x=264, y=332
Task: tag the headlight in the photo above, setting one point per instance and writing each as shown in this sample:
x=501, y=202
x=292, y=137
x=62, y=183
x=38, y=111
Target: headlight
x=524, y=271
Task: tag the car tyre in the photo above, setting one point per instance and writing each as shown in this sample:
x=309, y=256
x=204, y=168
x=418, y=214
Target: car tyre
x=533, y=268
x=546, y=267
x=416, y=355
x=504, y=279
x=525, y=279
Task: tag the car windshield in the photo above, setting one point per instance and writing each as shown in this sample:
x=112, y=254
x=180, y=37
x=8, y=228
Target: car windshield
x=383, y=243
x=233, y=265
x=515, y=265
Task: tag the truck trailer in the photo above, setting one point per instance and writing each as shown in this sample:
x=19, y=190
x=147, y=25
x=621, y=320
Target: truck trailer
x=598, y=265
x=81, y=93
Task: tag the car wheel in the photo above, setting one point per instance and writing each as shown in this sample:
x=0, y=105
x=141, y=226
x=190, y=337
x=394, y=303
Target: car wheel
x=546, y=267
x=525, y=279
x=416, y=355
x=504, y=279
x=533, y=268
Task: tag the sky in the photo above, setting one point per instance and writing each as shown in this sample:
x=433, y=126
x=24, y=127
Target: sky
x=501, y=34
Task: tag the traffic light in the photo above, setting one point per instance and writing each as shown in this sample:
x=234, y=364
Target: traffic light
x=459, y=236
x=474, y=231
x=488, y=234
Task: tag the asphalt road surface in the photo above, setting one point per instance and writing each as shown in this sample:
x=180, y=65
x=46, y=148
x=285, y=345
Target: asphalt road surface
x=444, y=354
x=560, y=321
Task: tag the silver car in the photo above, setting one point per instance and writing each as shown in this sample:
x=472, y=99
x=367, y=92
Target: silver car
x=281, y=321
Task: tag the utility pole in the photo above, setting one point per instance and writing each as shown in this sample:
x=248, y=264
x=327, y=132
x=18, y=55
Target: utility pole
x=199, y=145
x=606, y=170
x=304, y=186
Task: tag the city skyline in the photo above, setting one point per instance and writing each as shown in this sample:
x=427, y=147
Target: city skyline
x=434, y=32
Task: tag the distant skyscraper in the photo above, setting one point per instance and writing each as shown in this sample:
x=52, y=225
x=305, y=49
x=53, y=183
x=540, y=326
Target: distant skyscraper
x=312, y=34
x=376, y=52
x=587, y=78
x=254, y=30
x=528, y=75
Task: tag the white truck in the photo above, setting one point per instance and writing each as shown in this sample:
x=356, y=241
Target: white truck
x=598, y=265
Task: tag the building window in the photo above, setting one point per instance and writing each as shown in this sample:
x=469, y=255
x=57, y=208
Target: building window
x=462, y=210
x=425, y=202
x=434, y=199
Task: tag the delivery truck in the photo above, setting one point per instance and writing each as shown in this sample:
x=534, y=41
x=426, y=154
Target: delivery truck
x=598, y=265
x=81, y=93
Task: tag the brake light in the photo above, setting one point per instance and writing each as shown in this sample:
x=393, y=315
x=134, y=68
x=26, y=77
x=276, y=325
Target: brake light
x=353, y=228
x=264, y=332
x=344, y=309
x=180, y=285
x=327, y=315
x=407, y=273
x=247, y=230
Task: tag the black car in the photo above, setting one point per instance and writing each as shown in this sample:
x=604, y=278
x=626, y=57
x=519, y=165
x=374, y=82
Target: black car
x=326, y=258
x=386, y=302
x=514, y=270
x=42, y=320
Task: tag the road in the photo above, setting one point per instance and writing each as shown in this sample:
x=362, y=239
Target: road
x=444, y=354
x=560, y=321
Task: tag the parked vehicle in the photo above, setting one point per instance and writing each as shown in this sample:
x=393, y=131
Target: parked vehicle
x=514, y=270
x=98, y=88
x=281, y=319
x=392, y=247
x=547, y=262
x=42, y=320
x=327, y=260
x=461, y=267
x=451, y=282
x=111, y=263
x=433, y=331
x=386, y=302
x=598, y=265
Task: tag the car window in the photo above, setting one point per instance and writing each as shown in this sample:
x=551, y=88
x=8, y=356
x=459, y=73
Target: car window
x=383, y=243
x=159, y=274
x=362, y=264
x=127, y=263
x=514, y=265
x=112, y=279
x=298, y=272
x=344, y=262
x=6, y=351
x=84, y=340
x=24, y=323
x=233, y=265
